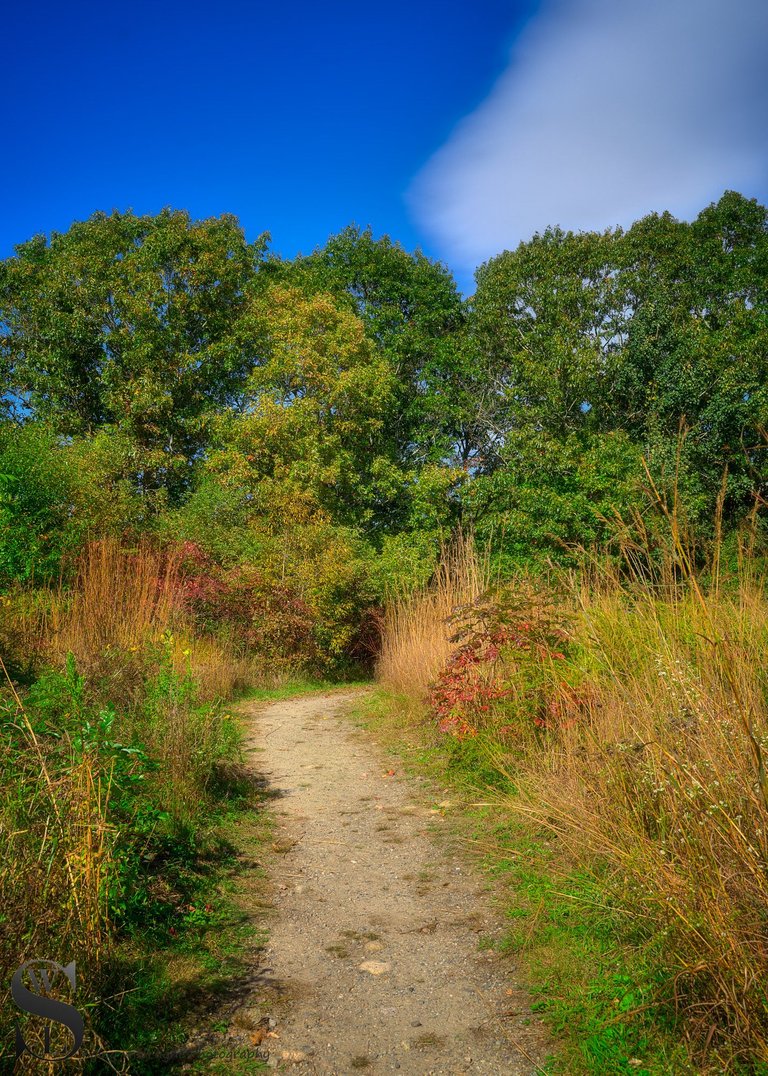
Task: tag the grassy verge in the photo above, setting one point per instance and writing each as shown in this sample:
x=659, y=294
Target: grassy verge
x=127, y=816
x=152, y=887
x=294, y=687
x=178, y=1016
x=591, y=977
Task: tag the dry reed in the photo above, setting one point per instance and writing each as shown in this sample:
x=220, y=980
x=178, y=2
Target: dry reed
x=658, y=784
x=121, y=600
x=416, y=634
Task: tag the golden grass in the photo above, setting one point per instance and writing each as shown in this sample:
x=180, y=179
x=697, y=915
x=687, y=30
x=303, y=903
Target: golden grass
x=122, y=602
x=218, y=669
x=416, y=634
x=659, y=784
x=57, y=849
x=122, y=599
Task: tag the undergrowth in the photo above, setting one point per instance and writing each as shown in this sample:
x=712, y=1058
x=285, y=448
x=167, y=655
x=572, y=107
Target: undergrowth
x=620, y=717
x=122, y=779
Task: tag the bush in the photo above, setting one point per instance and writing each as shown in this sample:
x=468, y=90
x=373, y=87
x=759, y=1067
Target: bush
x=38, y=525
x=255, y=614
x=505, y=644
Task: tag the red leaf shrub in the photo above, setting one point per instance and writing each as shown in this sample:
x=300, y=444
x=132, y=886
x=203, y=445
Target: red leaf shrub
x=496, y=635
x=258, y=614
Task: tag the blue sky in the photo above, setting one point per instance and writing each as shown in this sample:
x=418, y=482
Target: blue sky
x=460, y=127
x=606, y=110
x=297, y=117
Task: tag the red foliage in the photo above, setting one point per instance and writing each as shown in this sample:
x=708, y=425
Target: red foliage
x=493, y=630
x=261, y=615
x=466, y=686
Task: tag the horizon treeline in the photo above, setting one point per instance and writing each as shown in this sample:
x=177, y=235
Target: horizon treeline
x=163, y=374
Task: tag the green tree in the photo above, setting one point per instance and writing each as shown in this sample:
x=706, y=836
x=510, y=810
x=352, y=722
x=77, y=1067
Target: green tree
x=129, y=323
x=311, y=434
x=414, y=316
x=696, y=350
x=547, y=329
x=38, y=496
x=553, y=495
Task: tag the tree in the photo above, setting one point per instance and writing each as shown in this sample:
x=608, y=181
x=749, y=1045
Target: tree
x=696, y=350
x=38, y=494
x=312, y=428
x=658, y=331
x=414, y=316
x=555, y=495
x=128, y=322
x=547, y=330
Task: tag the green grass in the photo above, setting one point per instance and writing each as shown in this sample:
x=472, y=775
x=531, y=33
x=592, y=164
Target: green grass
x=226, y=1060
x=589, y=976
x=297, y=687
x=590, y=973
x=197, y=973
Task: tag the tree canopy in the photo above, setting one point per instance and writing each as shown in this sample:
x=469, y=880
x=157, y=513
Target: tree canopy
x=356, y=387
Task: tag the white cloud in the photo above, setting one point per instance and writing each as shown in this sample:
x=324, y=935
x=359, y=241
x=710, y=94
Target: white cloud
x=608, y=110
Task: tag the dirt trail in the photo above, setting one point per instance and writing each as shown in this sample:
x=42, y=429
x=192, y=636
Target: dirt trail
x=374, y=962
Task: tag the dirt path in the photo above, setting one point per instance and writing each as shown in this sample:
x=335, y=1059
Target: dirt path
x=374, y=962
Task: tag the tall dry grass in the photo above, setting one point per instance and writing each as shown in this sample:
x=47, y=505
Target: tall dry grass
x=658, y=787
x=122, y=599
x=122, y=602
x=58, y=852
x=651, y=770
x=219, y=670
x=416, y=633
x=123, y=649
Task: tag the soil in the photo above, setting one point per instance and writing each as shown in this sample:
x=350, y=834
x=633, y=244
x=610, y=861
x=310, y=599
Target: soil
x=379, y=956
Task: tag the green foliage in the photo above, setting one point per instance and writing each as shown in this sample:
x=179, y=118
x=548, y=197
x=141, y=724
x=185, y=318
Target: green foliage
x=546, y=321
x=129, y=323
x=123, y=866
x=54, y=493
x=413, y=315
x=330, y=569
x=37, y=496
x=405, y=562
x=313, y=429
x=649, y=332
x=312, y=433
x=218, y=517
x=108, y=498
x=222, y=396
x=553, y=496
x=696, y=343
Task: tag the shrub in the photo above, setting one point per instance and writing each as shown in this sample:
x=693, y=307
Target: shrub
x=38, y=526
x=505, y=643
x=257, y=615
